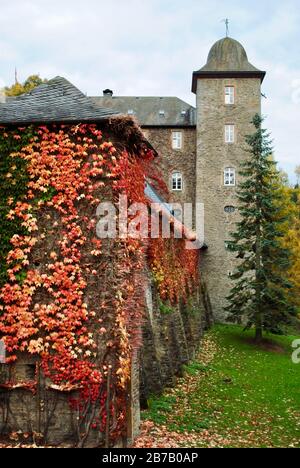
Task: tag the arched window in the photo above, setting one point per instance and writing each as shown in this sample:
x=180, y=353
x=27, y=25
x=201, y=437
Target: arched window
x=177, y=181
x=229, y=177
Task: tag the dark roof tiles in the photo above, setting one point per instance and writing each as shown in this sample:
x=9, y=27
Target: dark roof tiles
x=228, y=55
x=148, y=110
x=227, y=59
x=56, y=101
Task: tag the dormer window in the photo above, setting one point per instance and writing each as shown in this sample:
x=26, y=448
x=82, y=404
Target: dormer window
x=229, y=95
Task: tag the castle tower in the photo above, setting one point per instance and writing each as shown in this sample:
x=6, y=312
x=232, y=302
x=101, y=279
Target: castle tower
x=228, y=90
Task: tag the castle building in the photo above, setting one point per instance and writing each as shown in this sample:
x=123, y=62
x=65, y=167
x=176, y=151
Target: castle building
x=201, y=148
x=151, y=316
x=200, y=151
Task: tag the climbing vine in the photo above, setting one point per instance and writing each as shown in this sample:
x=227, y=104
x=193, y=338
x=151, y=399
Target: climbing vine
x=175, y=268
x=69, y=299
x=13, y=187
x=72, y=301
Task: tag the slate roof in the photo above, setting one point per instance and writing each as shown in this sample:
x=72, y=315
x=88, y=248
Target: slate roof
x=228, y=55
x=55, y=101
x=227, y=59
x=147, y=110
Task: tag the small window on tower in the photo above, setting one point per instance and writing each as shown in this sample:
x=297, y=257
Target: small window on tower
x=229, y=95
x=229, y=177
x=177, y=140
x=177, y=182
x=229, y=209
x=229, y=133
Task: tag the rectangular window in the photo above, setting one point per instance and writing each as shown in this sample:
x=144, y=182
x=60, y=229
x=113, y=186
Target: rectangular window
x=176, y=140
x=229, y=95
x=229, y=133
x=177, y=181
x=229, y=177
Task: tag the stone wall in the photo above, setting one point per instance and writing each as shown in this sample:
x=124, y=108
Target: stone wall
x=171, y=160
x=171, y=338
x=213, y=156
x=44, y=415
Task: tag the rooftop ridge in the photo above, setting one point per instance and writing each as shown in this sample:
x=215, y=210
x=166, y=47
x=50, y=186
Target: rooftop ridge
x=58, y=100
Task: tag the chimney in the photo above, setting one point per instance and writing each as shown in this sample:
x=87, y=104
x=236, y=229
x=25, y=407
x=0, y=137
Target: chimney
x=108, y=93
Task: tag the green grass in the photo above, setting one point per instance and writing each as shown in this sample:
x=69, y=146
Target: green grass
x=245, y=395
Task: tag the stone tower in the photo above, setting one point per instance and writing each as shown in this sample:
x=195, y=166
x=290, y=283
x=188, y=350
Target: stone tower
x=228, y=91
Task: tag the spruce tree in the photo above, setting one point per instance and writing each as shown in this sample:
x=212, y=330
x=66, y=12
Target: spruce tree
x=260, y=295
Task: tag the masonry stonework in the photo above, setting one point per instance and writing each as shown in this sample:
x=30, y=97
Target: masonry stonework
x=204, y=155
x=170, y=340
x=213, y=156
x=183, y=160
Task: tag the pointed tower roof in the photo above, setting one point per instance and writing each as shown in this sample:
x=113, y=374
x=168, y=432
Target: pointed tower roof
x=227, y=59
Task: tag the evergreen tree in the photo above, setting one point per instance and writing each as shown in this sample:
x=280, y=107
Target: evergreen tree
x=260, y=295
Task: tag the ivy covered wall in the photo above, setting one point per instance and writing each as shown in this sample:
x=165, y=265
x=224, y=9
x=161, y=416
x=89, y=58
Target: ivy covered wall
x=72, y=305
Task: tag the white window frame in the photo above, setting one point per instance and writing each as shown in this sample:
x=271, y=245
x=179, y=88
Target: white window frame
x=176, y=140
x=229, y=177
x=229, y=133
x=177, y=182
x=229, y=95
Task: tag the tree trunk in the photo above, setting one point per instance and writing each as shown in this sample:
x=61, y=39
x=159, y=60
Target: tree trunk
x=258, y=318
x=258, y=333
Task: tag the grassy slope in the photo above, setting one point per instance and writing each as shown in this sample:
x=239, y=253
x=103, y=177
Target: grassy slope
x=235, y=394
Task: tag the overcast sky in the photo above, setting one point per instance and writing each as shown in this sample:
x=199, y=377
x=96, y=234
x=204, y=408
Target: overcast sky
x=151, y=47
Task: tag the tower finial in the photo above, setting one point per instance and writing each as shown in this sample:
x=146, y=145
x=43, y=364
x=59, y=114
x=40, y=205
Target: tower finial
x=226, y=21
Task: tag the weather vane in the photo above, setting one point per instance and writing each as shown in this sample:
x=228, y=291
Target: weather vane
x=226, y=21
